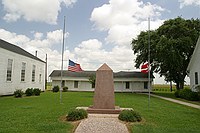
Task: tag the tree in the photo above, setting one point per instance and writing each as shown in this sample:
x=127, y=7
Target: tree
x=172, y=45
x=92, y=80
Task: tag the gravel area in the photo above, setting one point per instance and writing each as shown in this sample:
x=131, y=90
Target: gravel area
x=101, y=123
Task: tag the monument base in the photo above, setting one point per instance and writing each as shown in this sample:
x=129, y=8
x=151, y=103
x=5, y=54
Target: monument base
x=117, y=110
x=91, y=110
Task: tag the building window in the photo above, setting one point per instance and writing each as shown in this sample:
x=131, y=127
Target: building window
x=33, y=73
x=9, y=69
x=93, y=85
x=196, y=78
x=127, y=85
x=23, y=71
x=75, y=84
x=40, y=78
x=145, y=85
x=63, y=83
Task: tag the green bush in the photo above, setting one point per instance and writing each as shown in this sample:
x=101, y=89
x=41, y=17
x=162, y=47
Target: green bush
x=197, y=88
x=65, y=89
x=187, y=94
x=36, y=91
x=18, y=93
x=129, y=116
x=177, y=93
x=77, y=114
x=55, y=88
x=29, y=92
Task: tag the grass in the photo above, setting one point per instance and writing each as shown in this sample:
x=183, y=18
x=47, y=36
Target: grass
x=171, y=95
x=43, y=113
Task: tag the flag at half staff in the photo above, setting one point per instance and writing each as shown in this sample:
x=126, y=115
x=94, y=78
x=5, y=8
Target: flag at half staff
x=74, y=67
x=145, y=68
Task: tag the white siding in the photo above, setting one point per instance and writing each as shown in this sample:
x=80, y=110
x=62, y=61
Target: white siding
x=8, y=87
x=136, y=84
x=194, y=66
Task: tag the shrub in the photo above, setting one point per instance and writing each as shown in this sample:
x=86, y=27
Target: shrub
x=187, y=94
x=18, y=93
x=177, y=93
x=77, y=114
x=129, y=116
x=65, y=89
x=55, y=88
x=29, y=92
x=36, y=91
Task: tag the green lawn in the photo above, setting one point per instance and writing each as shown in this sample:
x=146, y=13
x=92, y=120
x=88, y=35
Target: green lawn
x=171, y=95
x=42, y=114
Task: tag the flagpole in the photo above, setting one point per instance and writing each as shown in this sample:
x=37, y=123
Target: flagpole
x=149, y=85
x=63, y=43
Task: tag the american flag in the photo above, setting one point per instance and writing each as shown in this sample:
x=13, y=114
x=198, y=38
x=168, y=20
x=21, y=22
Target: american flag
x=74, y=67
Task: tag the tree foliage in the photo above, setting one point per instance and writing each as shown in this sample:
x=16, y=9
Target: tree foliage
x=92, y=80
x=172, y=45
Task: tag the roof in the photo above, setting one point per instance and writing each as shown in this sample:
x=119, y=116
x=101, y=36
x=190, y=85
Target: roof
x=194, y=53
x=13, y=48
x=121, y=74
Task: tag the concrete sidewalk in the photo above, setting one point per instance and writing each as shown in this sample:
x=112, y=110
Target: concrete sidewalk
x=101, y=123
x=177, y=101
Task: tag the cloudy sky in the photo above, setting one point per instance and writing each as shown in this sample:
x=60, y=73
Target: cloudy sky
x=97, y=31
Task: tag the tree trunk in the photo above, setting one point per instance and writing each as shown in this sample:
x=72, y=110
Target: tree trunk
x=171, y=86
x=181, y=85
x=177, y=86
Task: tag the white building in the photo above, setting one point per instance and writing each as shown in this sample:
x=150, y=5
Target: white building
x=193, y=68
x=19, y=69
x=79, y=81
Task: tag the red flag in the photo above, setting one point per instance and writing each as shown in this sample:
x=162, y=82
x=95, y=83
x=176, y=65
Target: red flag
x=144, y=68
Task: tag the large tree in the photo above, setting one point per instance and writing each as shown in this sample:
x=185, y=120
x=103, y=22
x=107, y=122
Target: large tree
x=171, y=47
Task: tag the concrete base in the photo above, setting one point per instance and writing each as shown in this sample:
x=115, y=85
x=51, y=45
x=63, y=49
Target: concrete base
x=91, y=110
x=104, y=111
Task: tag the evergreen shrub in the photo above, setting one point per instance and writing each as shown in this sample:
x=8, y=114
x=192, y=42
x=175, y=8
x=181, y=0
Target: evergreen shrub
x=129, y=116
x=18, y=93
x=77, y=114
x=36, y=91
x=29, y=92
x=65, y=89
x=55, y=88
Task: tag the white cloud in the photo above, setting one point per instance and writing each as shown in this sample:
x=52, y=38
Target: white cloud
x=124, y=19
x=91, y=55
x=42, y=43
x=38, y=35
x=189, y=2
x=35, y=10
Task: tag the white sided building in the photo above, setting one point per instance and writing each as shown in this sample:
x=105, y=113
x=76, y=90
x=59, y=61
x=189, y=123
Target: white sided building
x=193, y=68
x=79, y=81
x=19, y=69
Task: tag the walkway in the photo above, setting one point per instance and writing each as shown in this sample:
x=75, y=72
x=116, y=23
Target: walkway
x=177, y=101
x=101, y=123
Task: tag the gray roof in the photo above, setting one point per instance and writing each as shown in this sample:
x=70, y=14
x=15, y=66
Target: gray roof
x=13, y=48
x=121, y=74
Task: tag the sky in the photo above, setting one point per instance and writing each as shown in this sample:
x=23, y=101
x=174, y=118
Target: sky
x=97, y=31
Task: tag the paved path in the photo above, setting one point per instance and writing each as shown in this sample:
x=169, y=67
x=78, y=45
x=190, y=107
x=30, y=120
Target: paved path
x=101, y=123
x=177, y=101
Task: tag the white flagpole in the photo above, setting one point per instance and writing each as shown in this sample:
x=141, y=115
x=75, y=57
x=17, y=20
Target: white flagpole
x=61, y=87
x=149, y=85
